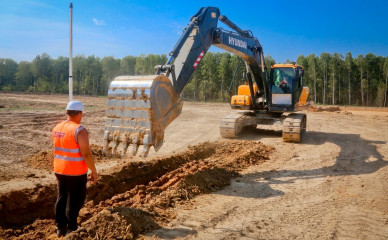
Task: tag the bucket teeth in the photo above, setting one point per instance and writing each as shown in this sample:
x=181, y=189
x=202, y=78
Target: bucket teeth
x=116, y=142
x=145, y=151
x=135, y=147
x=124, y=146
x=114, y=148
x=139, y=108
x=106, y=140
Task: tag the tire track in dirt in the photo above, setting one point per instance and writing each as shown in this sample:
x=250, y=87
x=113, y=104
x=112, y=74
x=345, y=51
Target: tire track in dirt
x=25, y=133
x=360, y=224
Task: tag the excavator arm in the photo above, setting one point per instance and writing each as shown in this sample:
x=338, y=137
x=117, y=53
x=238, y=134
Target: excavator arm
x=141, y=107
x=200, y=35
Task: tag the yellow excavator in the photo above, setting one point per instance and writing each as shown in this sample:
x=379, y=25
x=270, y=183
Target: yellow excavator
x=141, y=107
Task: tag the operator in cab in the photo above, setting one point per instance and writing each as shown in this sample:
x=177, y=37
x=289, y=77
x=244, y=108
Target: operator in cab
x=284, y=84
x=281, y=82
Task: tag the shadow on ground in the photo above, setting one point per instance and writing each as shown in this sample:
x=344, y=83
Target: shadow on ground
x=357, y=156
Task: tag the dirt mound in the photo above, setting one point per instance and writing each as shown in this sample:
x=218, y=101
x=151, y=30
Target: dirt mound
x=315, y=108
x=44, y=159
x=119, y=221
x=23, y=207
x=144, y=193
x=346, y=113
x=40, y=229
x=203, y=175
x=336, y=109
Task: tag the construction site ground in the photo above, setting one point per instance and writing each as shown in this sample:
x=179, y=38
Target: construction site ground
x=333, y=185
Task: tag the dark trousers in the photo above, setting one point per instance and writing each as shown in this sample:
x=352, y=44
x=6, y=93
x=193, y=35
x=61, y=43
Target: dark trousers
x=71, y=198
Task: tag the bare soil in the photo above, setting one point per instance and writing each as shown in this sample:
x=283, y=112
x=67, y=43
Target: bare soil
x=331, y=186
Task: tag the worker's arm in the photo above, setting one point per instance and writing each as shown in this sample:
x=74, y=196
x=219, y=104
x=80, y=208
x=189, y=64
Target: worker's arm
x=83, y=142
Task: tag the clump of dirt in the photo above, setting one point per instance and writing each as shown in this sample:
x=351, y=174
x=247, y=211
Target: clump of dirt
x=313, y=108
x=100, y=155
x=32, y=231
x=345, y=112
x=115, y=223
x=44, y=159
x=336, y=109
x=139, y=196
x=206, y=180
x=39, y=229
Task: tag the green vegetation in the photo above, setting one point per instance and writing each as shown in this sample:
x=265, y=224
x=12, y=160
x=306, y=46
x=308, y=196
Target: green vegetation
x=91, y=75
x=335, y=79
x=332, y=78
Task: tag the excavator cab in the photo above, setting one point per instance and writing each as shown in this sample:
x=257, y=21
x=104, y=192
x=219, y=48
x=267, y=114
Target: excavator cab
x=286, y=92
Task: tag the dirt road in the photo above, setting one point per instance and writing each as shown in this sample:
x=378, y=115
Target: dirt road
x=333, y=186
x=330, y=187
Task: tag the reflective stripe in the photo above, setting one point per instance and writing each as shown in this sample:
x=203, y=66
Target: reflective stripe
x=67, y=150
x=72, y=159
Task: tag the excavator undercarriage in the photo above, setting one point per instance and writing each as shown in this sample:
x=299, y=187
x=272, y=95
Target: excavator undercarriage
x=293, y=124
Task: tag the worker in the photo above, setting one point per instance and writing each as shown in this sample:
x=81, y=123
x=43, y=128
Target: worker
x=284, y=82
x=72, y=159
x=284, y=85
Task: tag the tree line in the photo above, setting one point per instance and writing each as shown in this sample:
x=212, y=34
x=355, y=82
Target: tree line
x=335, y=79
x=332, y=78
x=91, y=75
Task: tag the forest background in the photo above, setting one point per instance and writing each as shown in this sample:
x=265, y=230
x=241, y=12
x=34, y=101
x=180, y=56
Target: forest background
x=332, y=78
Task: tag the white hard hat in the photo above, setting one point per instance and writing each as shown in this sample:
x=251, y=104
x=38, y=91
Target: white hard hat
x=75, y=106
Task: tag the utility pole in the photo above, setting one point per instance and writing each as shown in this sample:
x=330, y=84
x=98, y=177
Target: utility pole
x=71, y=55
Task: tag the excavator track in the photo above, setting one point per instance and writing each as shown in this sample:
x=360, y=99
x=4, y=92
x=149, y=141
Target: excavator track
x=293, y=127
x=232, y=124
x=229, y=127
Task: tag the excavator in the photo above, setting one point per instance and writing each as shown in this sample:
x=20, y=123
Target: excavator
x=139, y=108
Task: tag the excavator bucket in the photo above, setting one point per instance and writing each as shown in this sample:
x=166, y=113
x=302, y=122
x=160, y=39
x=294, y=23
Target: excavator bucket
x=139, y=109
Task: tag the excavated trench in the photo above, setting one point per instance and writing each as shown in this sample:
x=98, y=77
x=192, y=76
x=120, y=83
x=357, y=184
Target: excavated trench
x=134, y=197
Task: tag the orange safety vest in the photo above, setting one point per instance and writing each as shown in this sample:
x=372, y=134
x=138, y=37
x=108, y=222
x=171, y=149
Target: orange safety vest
x=68, y=159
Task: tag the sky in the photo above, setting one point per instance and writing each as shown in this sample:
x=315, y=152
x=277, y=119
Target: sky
x=120, y=28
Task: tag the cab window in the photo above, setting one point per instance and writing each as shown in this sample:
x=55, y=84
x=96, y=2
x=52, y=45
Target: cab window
x=282, y=80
